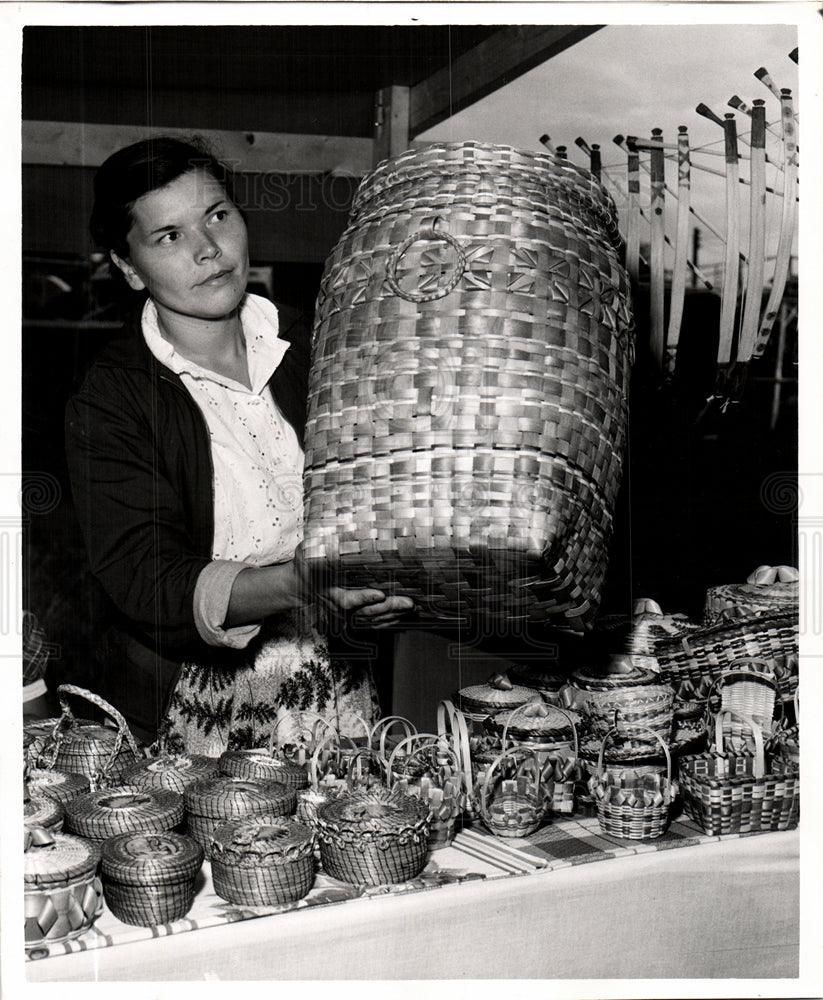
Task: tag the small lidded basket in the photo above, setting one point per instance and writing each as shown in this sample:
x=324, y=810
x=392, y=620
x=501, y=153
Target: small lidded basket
x=61, y=786
x=768, y=590
x=262, y=860
x=478, y=701
x=263, y=763
x=124, y=809
x=213, y=801
x=149, y=878
x=630, y=699
x=43, y=812
x=174, y=772
x=63, y=895
x=373, y=837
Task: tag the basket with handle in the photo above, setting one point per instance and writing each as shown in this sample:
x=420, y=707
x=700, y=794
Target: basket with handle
x=533, y=726
x=468, y=390
x=630, y=805
x=453, y=728
x=380, y=738
x=747, y=689
x=509, y=794
x=425, y=766
x=262, y=860
x=80, y=746
x=328, y=775
x=727, y=792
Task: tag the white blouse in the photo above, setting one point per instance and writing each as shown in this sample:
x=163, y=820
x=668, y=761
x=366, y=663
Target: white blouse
x=257, y=460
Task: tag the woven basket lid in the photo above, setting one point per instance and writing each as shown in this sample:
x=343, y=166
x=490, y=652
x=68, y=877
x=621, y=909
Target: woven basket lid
x=174, y=772
x=376, y=810
x=139, y=858
x=59, y=785
x=42, y=812
x=547, y=720
x=261, y=840
x=264, y=765
x=497, y=693
x=56, y=859
x=109, y=811
x=227, y=797
x=538, y=678
x=590, y=680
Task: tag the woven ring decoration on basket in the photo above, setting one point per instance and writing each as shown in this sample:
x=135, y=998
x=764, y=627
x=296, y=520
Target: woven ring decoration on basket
x=619, y=812
x=48, y=752
x=519, y=804
x=439, y=293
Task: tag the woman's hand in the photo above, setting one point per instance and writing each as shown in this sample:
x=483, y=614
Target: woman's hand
x=367, y=606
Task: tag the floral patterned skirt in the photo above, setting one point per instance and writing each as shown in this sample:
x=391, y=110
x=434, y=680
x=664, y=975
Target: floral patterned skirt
x=282, y=681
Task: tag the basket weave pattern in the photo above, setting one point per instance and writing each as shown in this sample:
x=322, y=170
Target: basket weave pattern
x=467, y=399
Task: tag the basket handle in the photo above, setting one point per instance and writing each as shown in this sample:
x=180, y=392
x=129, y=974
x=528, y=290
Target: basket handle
x=555, y=708
x=425, y=741
x=123, y=731
x=332, y=740
x=384, y=726
x=530, y=757
x=451, y=723
x=356, y=765
x=439, y=292
x=657, y=736
x=738, y=673
x=759, y=748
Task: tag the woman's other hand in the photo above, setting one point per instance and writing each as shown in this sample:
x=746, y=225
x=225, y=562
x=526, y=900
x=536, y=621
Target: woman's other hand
x=367, y=606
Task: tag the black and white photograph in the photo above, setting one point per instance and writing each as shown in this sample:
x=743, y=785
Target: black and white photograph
x=411, y=509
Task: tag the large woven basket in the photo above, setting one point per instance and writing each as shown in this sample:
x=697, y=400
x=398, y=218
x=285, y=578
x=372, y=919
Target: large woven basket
x=468, y=389
x=262, y=860
x=149, y=879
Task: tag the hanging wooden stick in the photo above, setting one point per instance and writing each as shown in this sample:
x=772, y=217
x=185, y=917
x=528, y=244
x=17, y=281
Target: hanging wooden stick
x=619, y=140
x=633, y=218
x=681, y=241
x=728, y=294
x=658, y=274
x=787, y=225
x=757, y=235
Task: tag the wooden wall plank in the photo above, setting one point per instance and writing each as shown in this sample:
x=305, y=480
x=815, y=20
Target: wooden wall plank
x=491, y=64
x=77, y=144
x=391, y=134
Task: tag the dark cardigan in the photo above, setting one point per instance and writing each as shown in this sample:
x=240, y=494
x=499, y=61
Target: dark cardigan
x=139, y=461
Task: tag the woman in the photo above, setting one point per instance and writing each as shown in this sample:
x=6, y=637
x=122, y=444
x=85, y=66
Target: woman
x=185, y=456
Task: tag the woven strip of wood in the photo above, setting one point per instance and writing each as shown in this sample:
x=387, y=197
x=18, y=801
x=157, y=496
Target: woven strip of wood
x=711, y=651
x=467, y=399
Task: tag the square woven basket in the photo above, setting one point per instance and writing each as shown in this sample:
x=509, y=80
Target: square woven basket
x=468, y=389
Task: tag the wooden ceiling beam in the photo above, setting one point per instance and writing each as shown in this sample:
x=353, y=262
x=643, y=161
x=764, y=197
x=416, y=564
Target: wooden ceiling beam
x=493, y=63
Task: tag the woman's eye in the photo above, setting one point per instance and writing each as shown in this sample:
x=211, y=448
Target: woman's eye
x=220, y=215
x=167, y=238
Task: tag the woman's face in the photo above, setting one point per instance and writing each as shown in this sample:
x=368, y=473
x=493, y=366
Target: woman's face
x=188, y=247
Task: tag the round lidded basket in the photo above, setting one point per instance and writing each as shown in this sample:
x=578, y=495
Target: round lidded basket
x=261, y=763
x=467, y=461
x=768, y=590
x=633, y=703
x=123, y=809
x=213, y=801
x=262, y=860
x=149, y=878
x=43, y=812
x=373, y=837
x=173, y=772
x=63, y=894
x=479, y=701
x=80, y=746
x=549, y=684
x=60, y=786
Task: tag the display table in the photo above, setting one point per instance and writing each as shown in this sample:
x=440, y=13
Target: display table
x=485, y=909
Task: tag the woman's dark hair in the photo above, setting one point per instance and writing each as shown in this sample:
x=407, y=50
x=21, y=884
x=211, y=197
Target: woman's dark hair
x=137, y=169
